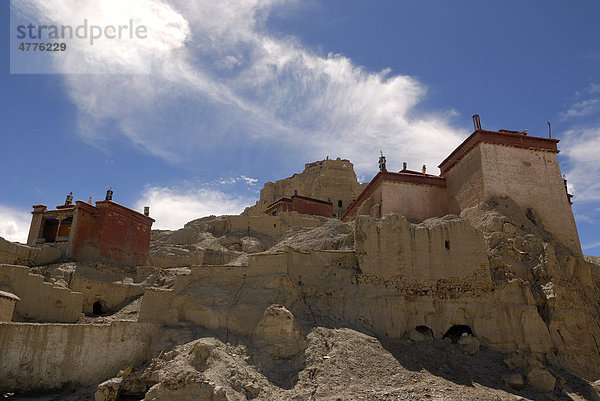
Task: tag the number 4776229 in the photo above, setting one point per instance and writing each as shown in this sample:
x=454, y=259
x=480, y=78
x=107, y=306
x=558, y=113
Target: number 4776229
x=42, y=47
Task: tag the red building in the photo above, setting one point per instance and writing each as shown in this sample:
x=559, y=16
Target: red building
x=105, y=232
x=301, y=204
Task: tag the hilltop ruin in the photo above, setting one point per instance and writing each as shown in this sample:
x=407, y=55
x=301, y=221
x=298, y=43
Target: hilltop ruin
x=274, y=307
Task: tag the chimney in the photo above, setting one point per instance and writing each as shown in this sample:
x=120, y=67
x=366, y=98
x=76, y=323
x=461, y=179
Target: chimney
x=424, y=169
x=476, y=122
x=109, y=194
x=146, y=210
x=404, y=166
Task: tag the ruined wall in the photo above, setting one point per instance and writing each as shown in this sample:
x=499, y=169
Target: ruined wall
x=109, y=293
x=417, y=202
x=7, y=306
x=533, y=180
x=325, y=179
x=41, y=357
x=448, y=248
x=273, y=227
x=18, y=254
x=326, y=288
x=40, y=300
x=511, y=283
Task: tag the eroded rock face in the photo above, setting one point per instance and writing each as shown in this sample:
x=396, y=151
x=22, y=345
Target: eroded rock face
x=494, y=270
x=277, y=333
x=559, y=281
x=332, y=180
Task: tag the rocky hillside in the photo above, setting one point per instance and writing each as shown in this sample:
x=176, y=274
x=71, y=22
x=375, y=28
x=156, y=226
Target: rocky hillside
x=483, y=306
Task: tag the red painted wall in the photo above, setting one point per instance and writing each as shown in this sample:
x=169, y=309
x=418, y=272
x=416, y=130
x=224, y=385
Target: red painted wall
x=308, y=207
x=111, y=231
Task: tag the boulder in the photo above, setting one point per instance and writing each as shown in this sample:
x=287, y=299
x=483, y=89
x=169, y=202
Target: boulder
x=514, y=381
x=278, y=333
x=469, y=344
x=540, y=379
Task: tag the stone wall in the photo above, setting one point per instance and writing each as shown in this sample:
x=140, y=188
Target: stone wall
x=18, y=254
x=42, y=357
x=108, y=292
x=40, y=300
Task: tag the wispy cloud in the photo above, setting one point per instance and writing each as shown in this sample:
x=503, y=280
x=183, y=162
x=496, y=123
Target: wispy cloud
x=220, y=78
x=173, y=207
x=583, y=108
x=14, y=224
x=234, y=180
x=591, y=245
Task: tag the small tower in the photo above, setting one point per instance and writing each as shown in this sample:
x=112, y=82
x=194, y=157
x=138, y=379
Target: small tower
x=69, y=200
x=109, y=194
x=382, y=162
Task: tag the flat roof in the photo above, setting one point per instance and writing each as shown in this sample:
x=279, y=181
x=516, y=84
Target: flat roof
x=502, y=137
x=404, y=176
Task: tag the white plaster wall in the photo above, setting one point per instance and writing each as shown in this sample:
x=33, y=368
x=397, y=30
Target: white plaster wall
x=533, y=180
x=418, y=202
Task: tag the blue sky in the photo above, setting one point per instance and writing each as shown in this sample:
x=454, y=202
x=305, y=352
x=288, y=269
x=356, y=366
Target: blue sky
x=244, y=92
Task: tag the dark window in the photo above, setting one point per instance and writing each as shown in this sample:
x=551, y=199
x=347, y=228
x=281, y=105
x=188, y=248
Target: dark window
x=339, y=203
x=447, y=245
x=50, y=229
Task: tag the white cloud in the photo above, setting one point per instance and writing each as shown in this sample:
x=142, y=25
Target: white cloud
x=583, y=108
x=173, y=207
x=234, y=180
x=14, y=224
x=582, y=147
x=219, y=78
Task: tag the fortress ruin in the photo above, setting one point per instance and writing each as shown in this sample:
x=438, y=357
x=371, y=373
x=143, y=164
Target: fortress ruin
x=483, y=259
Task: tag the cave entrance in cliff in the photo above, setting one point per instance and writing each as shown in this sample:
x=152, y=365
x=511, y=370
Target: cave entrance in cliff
x=424, y=330
x=98, y=308
x=455, y=332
